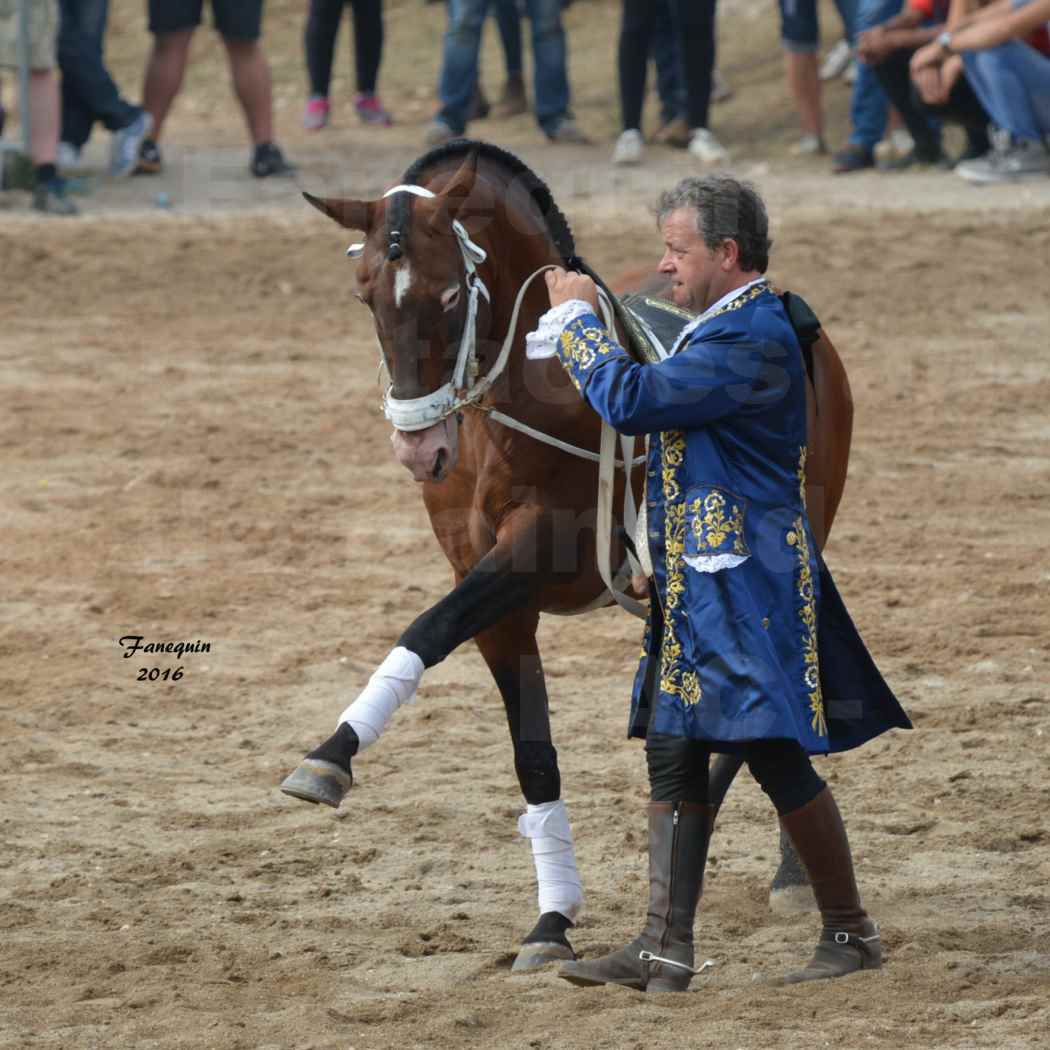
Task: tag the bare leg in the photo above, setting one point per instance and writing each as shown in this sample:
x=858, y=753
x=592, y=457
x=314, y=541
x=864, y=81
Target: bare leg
x=164, y=71
x=44, y=116
x=804, y=82
x=251, y=82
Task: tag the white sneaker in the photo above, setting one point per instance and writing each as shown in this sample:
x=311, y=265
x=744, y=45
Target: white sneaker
x=67, y=156
x=809, y=145
x=851, y=71
x=706, y=148
x=836, y=61
x=1014, y=161
x=628, y=147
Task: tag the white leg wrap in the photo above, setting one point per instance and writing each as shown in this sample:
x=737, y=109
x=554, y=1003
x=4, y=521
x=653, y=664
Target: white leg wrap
x=547, y=827
x=393, y=684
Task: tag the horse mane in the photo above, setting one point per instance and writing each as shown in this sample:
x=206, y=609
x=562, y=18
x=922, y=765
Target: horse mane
x=557, y=225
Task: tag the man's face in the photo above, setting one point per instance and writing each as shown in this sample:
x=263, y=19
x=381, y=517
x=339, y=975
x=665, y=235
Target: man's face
x=697, y=273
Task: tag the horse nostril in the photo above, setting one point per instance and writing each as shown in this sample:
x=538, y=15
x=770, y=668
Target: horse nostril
x=439, y=464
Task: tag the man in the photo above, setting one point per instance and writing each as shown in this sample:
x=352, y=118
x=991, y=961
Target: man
x=459, y=71
x=748, y=649
x=49, y=188
x=239, y=23
x=888, y=49
x=1004, y=51
x=89, y=93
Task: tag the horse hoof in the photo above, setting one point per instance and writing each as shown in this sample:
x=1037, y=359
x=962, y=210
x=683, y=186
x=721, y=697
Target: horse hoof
x=533, y=956
x=315, y=780
x=792, y=900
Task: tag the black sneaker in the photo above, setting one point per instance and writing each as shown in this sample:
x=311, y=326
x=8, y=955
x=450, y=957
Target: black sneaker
x=50, y=198
x=150, y=161
x=853, y=158
x=268, y=160
x=919, y=158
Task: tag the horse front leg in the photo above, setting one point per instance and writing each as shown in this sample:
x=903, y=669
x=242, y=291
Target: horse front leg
x=489, y=592
x=509, y=648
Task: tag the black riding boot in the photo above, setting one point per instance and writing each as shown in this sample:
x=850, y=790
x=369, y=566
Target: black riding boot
x=849, y=940
x=660, y=958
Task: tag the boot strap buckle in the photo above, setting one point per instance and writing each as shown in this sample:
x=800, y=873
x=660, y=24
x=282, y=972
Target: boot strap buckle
x=648, y=957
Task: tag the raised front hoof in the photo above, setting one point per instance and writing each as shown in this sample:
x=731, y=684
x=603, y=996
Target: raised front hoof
x=792, y=900
x=315, y=780
x=534, y=956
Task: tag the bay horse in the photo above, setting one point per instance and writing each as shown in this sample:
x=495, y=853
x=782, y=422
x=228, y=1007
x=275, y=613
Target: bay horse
x=448, y=268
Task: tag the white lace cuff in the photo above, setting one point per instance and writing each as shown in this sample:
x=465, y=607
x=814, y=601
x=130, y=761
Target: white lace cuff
x=544, y=341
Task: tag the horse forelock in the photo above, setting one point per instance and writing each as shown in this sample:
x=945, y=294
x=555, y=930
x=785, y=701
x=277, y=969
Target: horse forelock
x=555, y=223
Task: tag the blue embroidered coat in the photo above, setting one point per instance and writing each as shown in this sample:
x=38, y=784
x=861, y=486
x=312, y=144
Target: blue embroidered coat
x=756, y=642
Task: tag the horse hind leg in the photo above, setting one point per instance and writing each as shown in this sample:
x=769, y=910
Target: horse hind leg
x=510, y=651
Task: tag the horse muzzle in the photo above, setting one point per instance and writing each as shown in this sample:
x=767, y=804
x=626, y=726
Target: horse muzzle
x=429, y=454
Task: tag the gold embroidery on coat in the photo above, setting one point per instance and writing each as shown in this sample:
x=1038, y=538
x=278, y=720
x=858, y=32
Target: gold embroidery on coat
x=581, y=347
x=713, y=527
x=808, y=612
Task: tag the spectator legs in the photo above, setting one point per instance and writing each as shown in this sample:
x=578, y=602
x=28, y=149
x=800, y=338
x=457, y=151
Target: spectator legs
x=251, y=82
x=636, y=31
x=1012, y=82
x=459, y=61
x=550, y=59
x=44, y=113
x=894, y=77
x=164, y=71
x=368, y=43
x=319, y=39
x=508, y=20
x=869, y=109
x=803, y=77
x=695, y=23
x=88, y=91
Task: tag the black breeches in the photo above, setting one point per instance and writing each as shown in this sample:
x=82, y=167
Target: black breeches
x=678, y=771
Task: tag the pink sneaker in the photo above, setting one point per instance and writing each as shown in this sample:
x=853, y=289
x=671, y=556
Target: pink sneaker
x=315, y=116
x=371, y=111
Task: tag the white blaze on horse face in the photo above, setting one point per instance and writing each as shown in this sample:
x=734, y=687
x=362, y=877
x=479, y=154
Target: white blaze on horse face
x=402, y=282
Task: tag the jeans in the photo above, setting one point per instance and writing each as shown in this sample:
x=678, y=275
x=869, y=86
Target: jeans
x=1013, y=83
x=88, y=91
x=868, y=106
x=459, y=64
x=508, y=19
x=670, y=86
x=800, y=28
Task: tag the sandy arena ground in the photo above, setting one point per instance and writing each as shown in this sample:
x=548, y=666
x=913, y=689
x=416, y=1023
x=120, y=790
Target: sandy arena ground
x=192, y=449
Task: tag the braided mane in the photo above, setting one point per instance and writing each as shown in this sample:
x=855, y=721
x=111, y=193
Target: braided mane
x=556, y=223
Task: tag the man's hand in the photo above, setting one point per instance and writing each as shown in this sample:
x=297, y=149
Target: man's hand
x=563, y=286
x=927, y=57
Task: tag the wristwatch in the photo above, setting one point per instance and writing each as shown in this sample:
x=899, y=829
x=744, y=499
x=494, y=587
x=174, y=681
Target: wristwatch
x=945, y=43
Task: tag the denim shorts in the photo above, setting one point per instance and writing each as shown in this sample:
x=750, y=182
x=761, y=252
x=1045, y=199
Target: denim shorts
x=234, y=19
x=799, y=28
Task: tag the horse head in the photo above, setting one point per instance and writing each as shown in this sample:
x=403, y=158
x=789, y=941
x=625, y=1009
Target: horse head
x=416, y=273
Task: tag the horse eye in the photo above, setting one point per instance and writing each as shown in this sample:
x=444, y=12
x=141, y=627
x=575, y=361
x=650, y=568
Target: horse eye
x=449, y=298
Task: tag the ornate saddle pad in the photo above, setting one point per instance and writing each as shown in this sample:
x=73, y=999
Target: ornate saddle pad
x=652, y=325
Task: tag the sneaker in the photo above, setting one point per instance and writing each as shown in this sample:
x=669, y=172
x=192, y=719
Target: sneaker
x=124, y=150
x=437, y=132
x=1013, y=160
x=370, y=110
x=836, y=61
x=567, y=131
x=51, y=199
x=150, y=161
x=720, y=89
x=853, y=158
x=809, y=145
x=674, y=133
x=850, y=76
x=315, y=115
x=67, y=156
x=706, y=148
x=512, y=101
x=267, y=160
x=628, y=148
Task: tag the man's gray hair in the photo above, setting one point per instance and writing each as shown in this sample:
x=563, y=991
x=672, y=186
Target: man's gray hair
x=726, y=209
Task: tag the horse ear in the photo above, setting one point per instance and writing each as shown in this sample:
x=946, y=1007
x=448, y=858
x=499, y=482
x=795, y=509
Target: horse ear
x=354, y=215
x=455, y=194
